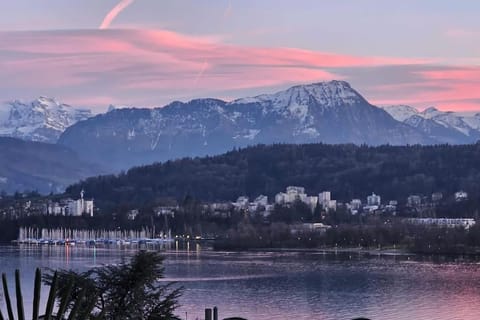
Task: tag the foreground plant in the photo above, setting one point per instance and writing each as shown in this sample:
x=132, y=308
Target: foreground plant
x=116, y=292
x=60, y=313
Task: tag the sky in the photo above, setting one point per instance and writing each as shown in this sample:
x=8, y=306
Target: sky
x=94, y=53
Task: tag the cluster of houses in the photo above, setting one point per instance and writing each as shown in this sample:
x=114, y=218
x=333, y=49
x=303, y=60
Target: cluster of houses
x=372, y=204
x=160, y=211
x=417, y=200
x=62, y=207
x=70, y=207
x=294, y=194
x=261, y=204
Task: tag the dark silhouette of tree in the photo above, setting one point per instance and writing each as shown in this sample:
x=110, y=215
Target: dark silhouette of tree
x=125, y=291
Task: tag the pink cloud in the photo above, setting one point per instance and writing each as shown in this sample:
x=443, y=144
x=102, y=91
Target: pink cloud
x=158, y=64
x=465, y=74
x=453, y=88
x=461, y=34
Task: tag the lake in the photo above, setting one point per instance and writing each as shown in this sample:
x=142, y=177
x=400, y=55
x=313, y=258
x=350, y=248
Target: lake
x=287, y=285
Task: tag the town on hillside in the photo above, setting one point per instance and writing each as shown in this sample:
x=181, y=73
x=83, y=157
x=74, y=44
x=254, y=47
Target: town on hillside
x=418, y=209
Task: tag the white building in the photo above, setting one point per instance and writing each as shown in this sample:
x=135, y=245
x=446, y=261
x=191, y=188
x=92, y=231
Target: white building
x=355, y=204
x=80, y=206
x=443, y=222
x=374, y=200
x=295, y=190
x=324, y=197
x=296, y=194
x=242, y=203
x=414, y=200
x=293, y=194
x=281, y=198
x=132, y=214
x=461, y=196
x=312, y=202
x=56, y=209
x=325, y=200
x=261, y=200
x=259, y=204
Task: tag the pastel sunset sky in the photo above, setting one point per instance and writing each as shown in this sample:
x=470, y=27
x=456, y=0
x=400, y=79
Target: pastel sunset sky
x=149, y=52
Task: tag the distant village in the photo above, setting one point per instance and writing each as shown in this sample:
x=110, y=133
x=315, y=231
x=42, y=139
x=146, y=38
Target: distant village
x=63, y=207
x=418, y=206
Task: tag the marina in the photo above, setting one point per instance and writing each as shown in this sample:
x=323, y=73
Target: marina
x=65, y=236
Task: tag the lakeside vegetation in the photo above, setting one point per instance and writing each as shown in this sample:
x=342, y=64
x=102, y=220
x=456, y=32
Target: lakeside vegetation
x=377, y=236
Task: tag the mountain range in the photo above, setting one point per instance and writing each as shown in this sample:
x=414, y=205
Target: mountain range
x=330, y=112
x=443, y=127
x=43, y=119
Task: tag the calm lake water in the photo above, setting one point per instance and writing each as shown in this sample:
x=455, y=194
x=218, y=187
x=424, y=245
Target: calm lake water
x=287, y=285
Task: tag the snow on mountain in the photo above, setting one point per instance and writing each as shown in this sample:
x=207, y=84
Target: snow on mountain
x=328, y=94
x=330, y=112
x=43, y=119
x=465, y=124
x=473, y=121
x=431, y=112
x=401, y=112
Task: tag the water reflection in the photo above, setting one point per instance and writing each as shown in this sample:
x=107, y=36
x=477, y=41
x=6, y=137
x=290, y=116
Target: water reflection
x=289, y=285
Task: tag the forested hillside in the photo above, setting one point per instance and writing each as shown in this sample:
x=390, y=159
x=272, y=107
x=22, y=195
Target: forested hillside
x=348, y=171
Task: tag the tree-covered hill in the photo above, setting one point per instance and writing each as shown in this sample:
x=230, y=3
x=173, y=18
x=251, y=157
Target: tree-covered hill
x=348, y=171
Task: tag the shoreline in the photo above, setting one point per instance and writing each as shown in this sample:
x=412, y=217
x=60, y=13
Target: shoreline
x=369, y=251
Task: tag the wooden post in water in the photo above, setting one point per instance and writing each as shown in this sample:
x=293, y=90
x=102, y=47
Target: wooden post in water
x=208, y=314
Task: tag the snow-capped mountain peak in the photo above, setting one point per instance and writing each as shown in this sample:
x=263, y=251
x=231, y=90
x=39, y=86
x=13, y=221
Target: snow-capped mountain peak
x=401, y=112
x=431, y=112
x=330, y=112
x=327, y=94
x=43, y=119
x=463, y=128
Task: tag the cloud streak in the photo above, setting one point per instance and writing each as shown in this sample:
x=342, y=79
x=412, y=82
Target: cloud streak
x=107, y=21
x=154, y=67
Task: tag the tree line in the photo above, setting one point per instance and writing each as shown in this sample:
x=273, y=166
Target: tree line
x=348, y=171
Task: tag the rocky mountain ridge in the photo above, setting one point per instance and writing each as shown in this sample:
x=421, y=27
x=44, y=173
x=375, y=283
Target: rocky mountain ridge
x=43, y=119
x=330, y=112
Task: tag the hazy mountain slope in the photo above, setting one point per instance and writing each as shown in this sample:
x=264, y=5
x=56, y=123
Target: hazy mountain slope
x=39, y=166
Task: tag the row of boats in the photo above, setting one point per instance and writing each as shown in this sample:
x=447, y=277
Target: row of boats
x=94, y=242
